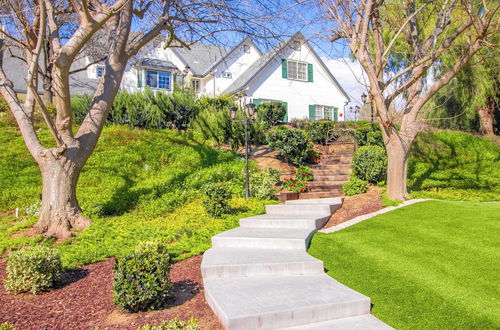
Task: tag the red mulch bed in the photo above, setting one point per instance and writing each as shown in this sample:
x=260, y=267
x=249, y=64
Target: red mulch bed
x=357, y=205
x=84, y=300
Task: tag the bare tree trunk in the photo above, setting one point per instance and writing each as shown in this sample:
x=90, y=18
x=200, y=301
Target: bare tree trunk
x=397, y=165
x=60, y=210
x=486, y=119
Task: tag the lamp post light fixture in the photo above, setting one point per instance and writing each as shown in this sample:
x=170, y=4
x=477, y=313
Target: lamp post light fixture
x=249, y=116
x=355, y=111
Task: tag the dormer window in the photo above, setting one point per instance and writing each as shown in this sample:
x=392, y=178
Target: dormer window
x=246, y=49
x=227, y=74
x=296, y=45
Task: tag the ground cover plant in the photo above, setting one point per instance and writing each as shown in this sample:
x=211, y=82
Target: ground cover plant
x=138, y=185
x=454, y=165
x=431, y=265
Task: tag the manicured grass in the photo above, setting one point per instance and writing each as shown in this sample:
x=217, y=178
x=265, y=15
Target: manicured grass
x=454, y=166
x=137, y=185
x=431, y=265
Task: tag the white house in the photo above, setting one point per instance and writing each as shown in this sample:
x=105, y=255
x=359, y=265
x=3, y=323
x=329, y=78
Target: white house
x=291, y=73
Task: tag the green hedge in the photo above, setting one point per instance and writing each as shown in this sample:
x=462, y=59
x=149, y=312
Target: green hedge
x=369, y=163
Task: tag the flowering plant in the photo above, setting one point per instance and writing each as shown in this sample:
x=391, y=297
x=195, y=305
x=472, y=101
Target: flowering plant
x=313, y=157
x=304, y=173
x=294, y=185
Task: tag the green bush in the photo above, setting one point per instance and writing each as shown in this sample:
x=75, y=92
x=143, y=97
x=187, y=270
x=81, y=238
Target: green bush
x=263, y=184
x=318, y=130
x=304, y=173
x=292, y=144
x=354, y=186
x=368, y=136
x=217, y=197
x=80, y=106
x=222, y=102
x=173, y=324
x=272, y=113
x=142, y=278
x=369, y=163
x=33, y=269
x=7, y=326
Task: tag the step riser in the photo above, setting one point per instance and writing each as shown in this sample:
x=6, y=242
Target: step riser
x=261, y=243
x=300, y=209
x=274, y=223
x=319, y=194
x=331, y=191
x=329, y=179
x=284, y=269
x=300, y=317
x=327, y=172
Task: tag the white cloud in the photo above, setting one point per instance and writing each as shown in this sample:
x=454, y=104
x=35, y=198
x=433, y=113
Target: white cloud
x=349, y=74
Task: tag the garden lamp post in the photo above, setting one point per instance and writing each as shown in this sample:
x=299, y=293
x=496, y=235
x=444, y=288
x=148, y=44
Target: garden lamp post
x=355, y=111
x=249, y=116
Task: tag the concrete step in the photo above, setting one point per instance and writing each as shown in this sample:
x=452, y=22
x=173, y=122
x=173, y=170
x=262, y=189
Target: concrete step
x=334, y=189
x=361, y=322
x=329, y=178
x=303, y=209
x=331, y=201
x=320, y=194
x=263, y=238
x=281, y=301
x=241, y=262
x=326, y=161
x=284, y=221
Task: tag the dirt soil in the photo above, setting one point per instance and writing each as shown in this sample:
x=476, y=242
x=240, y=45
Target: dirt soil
x=357, y=205
x=83, y=300
x=265, y=157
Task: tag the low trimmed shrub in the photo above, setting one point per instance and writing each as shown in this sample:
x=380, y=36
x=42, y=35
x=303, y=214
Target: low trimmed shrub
x=173, y=324
x=33, y=269
x=217, y=197
x=292, y=144
x=272, y=113
x=318, y=130
x=142, y=278
x=304, y=173
x=354, y=186
x=263, y=184
x=369, y=163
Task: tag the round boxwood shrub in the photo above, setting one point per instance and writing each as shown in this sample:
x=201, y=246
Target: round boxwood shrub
x=354, y=186
x=272, y=113
x=142, y=278
x=33, y=269
x=292, y=144
x=369, y=163
x=217, y=197
x=318, y=130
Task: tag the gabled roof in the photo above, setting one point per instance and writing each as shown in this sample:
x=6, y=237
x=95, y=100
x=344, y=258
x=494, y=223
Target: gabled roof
x=200, y=57
x=254, y=69
x=155, y=64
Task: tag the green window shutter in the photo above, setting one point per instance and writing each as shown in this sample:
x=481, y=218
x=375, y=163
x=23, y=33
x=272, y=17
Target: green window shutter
x=139, y=78
x=336, y=114
x=256, y=102
x=309, y=72
x=311, y=112
x=285, y=118
x=284, y=68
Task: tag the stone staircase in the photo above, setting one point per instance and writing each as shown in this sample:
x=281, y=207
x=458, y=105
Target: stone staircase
x=259, y=276
x=329, y=175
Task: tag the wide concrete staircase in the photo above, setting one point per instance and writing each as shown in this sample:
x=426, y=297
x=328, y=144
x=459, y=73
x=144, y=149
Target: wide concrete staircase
x=329, y=176
x=259, y=276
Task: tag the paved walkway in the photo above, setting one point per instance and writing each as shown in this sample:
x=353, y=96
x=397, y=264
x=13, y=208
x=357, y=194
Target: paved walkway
x=259, y=276
x=370, y=215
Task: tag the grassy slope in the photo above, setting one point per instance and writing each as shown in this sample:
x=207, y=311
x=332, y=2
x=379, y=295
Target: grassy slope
x=137, y=185
x=431, y=265
x=454, y=165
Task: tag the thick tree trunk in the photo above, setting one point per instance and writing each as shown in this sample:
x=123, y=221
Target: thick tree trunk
x=486, y=119
x=397, y=153
x=60, y=211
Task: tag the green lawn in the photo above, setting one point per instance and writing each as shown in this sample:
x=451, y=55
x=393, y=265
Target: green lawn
x=431, y=265
x=137, y=185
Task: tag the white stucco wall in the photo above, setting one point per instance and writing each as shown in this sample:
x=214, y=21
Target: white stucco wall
x=269, y=84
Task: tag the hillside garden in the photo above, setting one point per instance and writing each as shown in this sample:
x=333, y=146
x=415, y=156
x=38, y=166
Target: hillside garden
x=167, y=169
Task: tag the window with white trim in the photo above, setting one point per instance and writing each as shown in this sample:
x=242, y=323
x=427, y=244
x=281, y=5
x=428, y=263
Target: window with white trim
x=323, y=112
x=159, y=79
x=297, y=70
x=195, y=85
x=100, y=70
